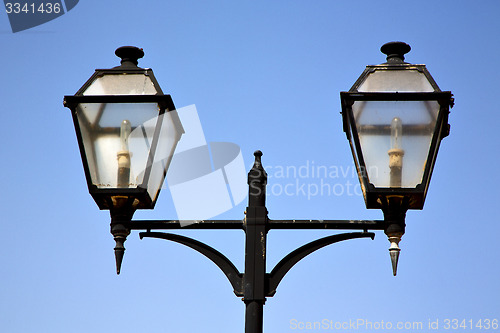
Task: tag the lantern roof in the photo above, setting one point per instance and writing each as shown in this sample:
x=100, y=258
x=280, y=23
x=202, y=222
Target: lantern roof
x=126, y=79
x=395, y=75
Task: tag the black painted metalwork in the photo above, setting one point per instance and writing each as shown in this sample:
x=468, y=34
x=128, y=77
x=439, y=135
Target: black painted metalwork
x=254, y=285
x=271, y=224
x=106, y=197
x=395, y=51
x=375, y=195
x=226, y=266
x=295, y=256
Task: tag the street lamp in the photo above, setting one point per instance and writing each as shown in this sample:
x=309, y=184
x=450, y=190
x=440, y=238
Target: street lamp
x=127, y=130
x=394, y=116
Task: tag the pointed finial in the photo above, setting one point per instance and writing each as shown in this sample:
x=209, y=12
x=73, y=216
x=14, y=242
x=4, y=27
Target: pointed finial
x=120, y=230
x=119, y=252
x=394, y=209
x=394, y=251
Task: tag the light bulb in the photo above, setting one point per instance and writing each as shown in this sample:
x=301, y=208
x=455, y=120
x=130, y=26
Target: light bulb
x=396, y=133
x=123, y=156
x=396, y=153
x=125, y=130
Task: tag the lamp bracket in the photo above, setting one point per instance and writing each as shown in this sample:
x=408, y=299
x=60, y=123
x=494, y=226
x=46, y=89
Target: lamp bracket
x=271, y=280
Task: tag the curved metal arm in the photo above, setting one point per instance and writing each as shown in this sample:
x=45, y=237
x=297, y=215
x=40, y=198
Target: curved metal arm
x=231, y=272
x=295, y=256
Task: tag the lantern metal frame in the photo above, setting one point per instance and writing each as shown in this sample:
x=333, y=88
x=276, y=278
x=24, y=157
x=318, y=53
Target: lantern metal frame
x=375, y=196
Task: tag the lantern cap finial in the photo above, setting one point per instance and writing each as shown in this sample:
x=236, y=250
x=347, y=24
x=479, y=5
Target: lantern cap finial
x=257, y=180
x=129, y=55
x=257, y=173
x=395, y=51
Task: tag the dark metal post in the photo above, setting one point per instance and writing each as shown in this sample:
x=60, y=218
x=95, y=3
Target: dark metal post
x=255, y=248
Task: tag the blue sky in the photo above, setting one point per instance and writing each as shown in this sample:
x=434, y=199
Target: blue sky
x=264, y=75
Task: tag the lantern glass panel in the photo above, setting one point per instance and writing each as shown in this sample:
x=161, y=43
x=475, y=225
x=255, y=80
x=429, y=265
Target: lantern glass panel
x=360, y=170
x=117, y=138
x=392, y=135
x=396, y=80
x=121, y=84
x=169, y=135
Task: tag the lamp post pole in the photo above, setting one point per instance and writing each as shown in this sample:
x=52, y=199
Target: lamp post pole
x=255, y=247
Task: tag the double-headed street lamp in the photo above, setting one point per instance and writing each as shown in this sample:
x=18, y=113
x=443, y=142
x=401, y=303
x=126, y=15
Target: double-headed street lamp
x=394, y=117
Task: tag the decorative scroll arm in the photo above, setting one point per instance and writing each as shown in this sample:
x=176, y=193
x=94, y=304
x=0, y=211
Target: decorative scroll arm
x=281, y=268
x=231, y=272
